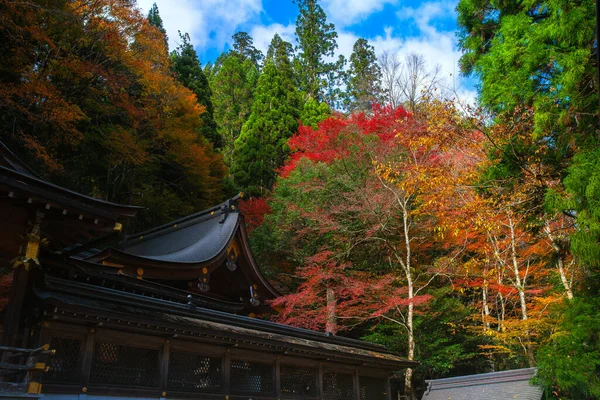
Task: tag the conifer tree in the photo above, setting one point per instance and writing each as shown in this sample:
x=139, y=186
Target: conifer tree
x=188, y=69
x=364, y=78
x=317, y=41
x=280, y=53
x=156, y=21
x=262, y=146
x=233, y=89
x=244, y=45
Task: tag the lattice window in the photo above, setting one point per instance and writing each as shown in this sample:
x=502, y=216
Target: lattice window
x=115, y=364
x=298, y=382
x=251, y=377
x=338, y=386
x=64, y=365
x=189, y=371
x=372, y=388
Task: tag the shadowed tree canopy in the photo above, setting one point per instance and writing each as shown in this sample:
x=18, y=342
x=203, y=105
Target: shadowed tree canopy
x=114, y=123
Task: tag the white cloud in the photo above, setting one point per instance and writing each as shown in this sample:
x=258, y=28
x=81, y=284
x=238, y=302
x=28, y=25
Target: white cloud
x=263, y=35
x=210, y=23
x=347, y=12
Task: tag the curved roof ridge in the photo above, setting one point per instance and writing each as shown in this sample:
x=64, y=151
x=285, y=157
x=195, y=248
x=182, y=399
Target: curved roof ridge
x=167, y=227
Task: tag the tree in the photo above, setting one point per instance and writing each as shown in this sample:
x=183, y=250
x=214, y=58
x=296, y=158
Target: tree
x=156, y=21
x=316, y=37
x=539, y=56
x=364, y=78
x=568, y=363
x=261, y=147
x=233, y=94
x=314, y=112
x=281, y=53
x=244, y=45
x=417, y=82
x=188, y=69
x=410, y=83
x=114, y=122
x=391, y=69
x=355, y=211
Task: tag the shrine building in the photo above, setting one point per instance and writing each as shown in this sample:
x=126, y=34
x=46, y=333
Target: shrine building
x=169, y=313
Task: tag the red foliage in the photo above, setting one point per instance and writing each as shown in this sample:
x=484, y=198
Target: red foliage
x=326, y=144
x=254, y=211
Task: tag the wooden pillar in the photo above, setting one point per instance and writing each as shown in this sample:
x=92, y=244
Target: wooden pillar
x=12, y=318
x=226, y=375
x=320, y=381
x=388, y=388
x=164, y=366
x=88, y=356
x=356, y=384
x=278, y=377
x=20, y=279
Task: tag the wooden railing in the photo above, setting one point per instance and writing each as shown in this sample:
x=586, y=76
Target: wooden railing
x=21, y=369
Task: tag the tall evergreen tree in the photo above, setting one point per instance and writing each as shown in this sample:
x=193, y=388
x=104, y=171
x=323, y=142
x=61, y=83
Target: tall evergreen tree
x=188, y=70
x=281, y=53
x=262, y=146
x=364, y=78
x=244, y=45
x=233, y=89
x=316, y=37
x=537, y=63
x=156, y=21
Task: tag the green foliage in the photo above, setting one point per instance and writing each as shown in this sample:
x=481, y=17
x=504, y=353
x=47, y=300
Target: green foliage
x=188, y=70
x=317, y=41
x=314, y=112
x=445, y=346
x=364, y=78
x=583, y=183
x=261, y=147
x=243, y=44
x=569, y=363
x=281, y=53
x=536, y=53
x=233, y=94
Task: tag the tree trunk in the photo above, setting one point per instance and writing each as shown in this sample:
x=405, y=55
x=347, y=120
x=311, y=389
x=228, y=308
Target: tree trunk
x=520, y=286
x=486, y=306
x=408, y=390
x=560, y=253
x=331, y=319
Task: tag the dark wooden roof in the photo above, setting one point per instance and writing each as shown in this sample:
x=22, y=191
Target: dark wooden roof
x=19, y=180
x=81, y=302
x=504, y=385
x=193, y=239
x=195, y=248
x=67, y=217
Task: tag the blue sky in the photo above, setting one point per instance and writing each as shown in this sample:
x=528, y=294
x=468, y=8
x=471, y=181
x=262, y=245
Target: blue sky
x=396, y=26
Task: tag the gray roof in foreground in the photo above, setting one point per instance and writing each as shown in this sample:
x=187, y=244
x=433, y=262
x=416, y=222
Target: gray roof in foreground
x=193, y=239
x=504, y=385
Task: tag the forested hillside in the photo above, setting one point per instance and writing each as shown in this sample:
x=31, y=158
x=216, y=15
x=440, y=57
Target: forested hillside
x=466, y=237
